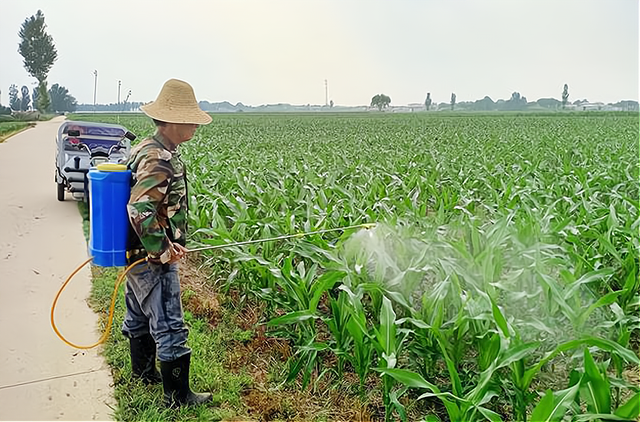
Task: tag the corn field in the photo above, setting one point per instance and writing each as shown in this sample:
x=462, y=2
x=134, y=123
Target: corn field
x=501, y=279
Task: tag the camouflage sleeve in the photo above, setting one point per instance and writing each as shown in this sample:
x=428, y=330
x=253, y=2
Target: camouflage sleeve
x=146, y=204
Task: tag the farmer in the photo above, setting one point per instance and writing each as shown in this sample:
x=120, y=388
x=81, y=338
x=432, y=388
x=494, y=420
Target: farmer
x=158, y=215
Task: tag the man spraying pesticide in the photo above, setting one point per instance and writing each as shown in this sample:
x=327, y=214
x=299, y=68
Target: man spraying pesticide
x=155, y=216
x=157, y=212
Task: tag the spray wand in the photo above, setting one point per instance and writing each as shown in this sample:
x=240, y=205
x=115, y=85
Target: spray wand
x=121, y=277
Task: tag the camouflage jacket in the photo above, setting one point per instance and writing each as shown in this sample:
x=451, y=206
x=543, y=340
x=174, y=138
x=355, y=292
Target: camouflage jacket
x=158, y=204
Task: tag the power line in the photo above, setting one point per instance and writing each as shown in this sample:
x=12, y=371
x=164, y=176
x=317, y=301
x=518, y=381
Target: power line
x=20, y=384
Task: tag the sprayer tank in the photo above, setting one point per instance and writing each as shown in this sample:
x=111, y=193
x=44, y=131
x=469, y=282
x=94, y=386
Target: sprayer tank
x=109, y=190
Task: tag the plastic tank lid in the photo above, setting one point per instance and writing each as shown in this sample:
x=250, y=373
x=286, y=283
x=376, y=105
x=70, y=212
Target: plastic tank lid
x=111, y=167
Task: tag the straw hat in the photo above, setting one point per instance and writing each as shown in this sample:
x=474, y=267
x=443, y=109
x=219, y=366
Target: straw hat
x=176, y=103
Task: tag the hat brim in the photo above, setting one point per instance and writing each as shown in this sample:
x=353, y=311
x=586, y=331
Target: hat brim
x=193, y=116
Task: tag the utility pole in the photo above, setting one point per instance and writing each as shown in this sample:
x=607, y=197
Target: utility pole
x=126, y=100
x=95, y=88
x=326, y=93
x=119, y=82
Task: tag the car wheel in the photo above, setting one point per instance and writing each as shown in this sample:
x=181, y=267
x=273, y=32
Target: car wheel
x=60, y=191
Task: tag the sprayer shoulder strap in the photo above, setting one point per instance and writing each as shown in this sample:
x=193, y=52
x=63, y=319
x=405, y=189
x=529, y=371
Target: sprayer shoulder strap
x=148, y=147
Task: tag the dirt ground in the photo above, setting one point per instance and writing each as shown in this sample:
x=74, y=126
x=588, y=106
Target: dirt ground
x=41, y=243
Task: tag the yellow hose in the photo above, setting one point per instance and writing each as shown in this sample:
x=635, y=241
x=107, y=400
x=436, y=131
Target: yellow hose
x=120, y=278
x=104, y=336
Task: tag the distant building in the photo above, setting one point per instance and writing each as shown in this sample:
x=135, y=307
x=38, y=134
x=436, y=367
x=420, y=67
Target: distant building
x=416, y=106
x=591, y=106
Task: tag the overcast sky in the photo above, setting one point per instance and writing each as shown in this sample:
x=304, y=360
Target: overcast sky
x=260, y=52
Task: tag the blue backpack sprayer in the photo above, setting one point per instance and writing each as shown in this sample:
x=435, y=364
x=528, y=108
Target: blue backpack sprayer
x=109, y=191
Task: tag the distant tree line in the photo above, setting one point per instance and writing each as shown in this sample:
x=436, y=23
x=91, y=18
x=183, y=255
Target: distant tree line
x=111, y=107
x=58, y=99
x=518, y=102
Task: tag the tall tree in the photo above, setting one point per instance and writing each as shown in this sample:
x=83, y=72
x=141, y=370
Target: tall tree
x=381, y=101
x=25, y=101
x=14, y=100
x=453, y=100
x=565, y=95
x=39, y=53
x=427, y=102
x=61, y=100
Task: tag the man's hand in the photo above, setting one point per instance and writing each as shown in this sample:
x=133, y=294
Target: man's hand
x=177, y=252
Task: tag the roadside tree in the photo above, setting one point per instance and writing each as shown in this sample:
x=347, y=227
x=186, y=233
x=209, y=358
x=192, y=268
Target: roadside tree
x=39, y=53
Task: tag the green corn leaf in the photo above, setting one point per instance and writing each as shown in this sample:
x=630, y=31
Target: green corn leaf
x=292, y=318
x=295, y=365
x=631, y=409
x=393, y=398
x=488, y=350
x=318, y=347
x=325, y=282
x=607, y=299
x=587, y=278
x=630, y=286
x=309, y=367
x=386, y=333
x=451, y=367
x=553, y=406
x=409, y=378
x=356, y=330
x=489, y=414
x=609, y=247
x=612, y=346
x=612, y=221
x=596, y=388
x=501, y=322
x=516, y=353
x=575, y=377
x=417, y=322
x=544, y=408
x=450, y=402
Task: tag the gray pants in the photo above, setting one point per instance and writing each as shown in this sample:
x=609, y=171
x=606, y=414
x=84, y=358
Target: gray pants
x=154, y=307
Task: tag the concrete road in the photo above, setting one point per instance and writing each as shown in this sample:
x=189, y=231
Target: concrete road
x=41, y=243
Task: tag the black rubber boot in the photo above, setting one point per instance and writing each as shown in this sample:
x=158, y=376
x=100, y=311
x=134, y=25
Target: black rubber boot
x=143, y=359
x=175, y=380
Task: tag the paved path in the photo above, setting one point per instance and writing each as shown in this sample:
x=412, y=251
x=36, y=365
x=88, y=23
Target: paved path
x=41, y=242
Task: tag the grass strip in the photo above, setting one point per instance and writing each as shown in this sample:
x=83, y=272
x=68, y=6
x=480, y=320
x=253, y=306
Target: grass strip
x=8, y=129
